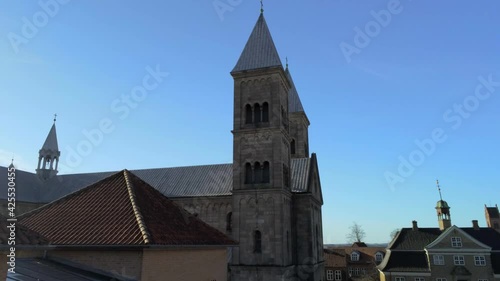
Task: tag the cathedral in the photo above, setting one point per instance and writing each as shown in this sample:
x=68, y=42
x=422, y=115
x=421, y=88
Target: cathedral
x=268, y=200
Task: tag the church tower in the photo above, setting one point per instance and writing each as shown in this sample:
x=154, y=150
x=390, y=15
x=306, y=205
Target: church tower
x=262, y=196
x=48, y=156
x=443, y=211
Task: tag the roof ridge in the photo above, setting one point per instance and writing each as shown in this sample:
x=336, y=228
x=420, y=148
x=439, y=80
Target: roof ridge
x=137, y=211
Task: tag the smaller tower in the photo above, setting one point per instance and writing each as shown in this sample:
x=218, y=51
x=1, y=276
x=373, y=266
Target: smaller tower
x=48, y=156
x=492, y=217
x=443, y=211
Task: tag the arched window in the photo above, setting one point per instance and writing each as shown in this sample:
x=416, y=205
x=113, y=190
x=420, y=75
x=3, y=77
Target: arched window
x=265, y=112
x=266, y=174
x=257, y=113
x=248, y=114
x=257, y=172
x=248, y=173
x=292, y=147
x=257, y=242
x=229, y=221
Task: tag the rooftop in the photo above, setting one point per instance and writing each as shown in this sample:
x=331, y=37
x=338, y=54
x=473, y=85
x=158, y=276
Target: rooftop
x=120, y=210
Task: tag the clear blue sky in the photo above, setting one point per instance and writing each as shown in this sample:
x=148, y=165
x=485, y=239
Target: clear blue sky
x=365, y=112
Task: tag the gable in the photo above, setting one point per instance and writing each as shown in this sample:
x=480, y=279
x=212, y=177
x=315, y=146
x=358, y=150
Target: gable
x=462, y=242
x=314, y=180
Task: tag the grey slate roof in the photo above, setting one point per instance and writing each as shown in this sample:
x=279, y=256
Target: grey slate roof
x=259, y=51
x=294, y=103
x=300, y=174
x=405, y=261
x=51, y=140
x=191, y=181
x=409, y=239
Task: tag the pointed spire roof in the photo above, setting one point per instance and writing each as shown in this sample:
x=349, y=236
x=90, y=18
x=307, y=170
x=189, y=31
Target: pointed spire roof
x=294, y=103
x=51, y=140
x=259, y=52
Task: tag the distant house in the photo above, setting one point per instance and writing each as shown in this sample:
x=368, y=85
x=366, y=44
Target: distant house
x=358, y=262
x=444, y=253
x=124, y=228
x=335, y=264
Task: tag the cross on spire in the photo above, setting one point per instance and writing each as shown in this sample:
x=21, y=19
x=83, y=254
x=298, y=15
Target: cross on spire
x=439, y=189
x=261, y=7
x=55, y=117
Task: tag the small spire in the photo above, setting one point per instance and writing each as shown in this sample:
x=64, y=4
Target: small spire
x=12, y=162
x=439, y=189
x=55, y=117
x=261, y=7
x=286, y=62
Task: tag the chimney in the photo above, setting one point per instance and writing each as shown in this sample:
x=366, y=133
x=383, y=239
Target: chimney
x=415, y=226
x=475, y=225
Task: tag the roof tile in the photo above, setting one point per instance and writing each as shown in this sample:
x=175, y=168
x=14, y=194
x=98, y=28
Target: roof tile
x=121, y=209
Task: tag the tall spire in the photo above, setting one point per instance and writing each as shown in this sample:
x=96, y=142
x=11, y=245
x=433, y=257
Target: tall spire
x=259, y=51
x=48, y=156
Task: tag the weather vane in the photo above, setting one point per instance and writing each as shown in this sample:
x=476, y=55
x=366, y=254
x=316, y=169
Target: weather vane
x=261, y=7
x=439, y=189
x=55, y=117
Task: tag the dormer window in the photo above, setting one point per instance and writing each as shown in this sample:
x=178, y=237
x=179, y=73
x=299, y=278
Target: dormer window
x=456, y=242
x=354, y=256
x=379, y=257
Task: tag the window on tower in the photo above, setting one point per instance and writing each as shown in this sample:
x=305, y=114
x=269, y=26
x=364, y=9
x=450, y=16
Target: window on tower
x=257, y=113
x=248, y=173
x=257, y=247
x=265, y=112
x=229, y=221
x=292, y=147
x=248, y=114
x=258, y=173
x=266, y=174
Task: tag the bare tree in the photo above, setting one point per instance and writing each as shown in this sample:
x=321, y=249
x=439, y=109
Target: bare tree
x=356, y=233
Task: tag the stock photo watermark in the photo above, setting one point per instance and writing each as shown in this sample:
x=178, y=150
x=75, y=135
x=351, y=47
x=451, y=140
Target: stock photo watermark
x=363, y=36
x=120, y=108
x=11, y=218
x=223, y=6
x=454, y=117
x=32, y=25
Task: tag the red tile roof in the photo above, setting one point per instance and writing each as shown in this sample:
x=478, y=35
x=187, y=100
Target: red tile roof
x=122, y=210
x=24, y=235
x=335, y=257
